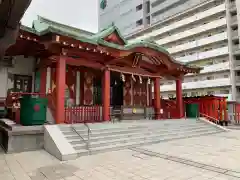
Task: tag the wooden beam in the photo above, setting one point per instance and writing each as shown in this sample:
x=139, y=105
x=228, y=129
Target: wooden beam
x=84, y=62
x=134, y=71
x=90, y=55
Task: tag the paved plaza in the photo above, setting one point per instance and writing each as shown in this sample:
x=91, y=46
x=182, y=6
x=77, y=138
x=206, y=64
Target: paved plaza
x=215, y=157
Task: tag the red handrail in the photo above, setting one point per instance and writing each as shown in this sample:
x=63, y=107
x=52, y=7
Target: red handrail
x=209, y=117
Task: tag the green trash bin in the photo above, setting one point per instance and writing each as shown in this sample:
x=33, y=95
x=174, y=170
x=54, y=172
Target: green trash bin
x=33, y=110
x=192, y=110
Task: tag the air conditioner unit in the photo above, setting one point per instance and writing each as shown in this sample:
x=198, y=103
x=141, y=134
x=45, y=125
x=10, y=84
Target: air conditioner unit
x=7, y=61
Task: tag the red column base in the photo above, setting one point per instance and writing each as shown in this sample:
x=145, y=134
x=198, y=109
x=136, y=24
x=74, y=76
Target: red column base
x=158, y=116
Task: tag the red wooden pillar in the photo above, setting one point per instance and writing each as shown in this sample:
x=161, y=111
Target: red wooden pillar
x=150, y=95
x=43, y=80
x=82, y=83
x=179, y=99
x=106, y=95
x=60, y=89
x=157, y=104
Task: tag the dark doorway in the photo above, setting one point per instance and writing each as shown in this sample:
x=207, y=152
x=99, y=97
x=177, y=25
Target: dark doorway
x=22, y=83
x=116, y=90
x=97, y=91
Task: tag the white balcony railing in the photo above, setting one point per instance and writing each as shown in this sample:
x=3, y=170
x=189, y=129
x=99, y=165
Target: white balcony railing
x=199, y=84
x=163, y=5
x=214, y=68
x=191, y=32
x=234, y=20
x=204, y=55
x=199, y=43
x=235, y=33
x=183, y=22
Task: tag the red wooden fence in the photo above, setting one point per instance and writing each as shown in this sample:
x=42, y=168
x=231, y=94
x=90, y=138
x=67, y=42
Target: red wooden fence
x=83, y=114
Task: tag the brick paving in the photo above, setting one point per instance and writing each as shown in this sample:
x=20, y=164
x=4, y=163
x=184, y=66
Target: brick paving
x=165, y=161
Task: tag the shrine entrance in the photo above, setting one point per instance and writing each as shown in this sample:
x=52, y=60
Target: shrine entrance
x=116, y=90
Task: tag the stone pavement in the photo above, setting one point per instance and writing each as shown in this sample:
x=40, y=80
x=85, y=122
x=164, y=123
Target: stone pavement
x=219, y=150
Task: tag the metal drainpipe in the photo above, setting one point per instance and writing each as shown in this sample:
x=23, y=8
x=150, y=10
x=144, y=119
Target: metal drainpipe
x=230, y=48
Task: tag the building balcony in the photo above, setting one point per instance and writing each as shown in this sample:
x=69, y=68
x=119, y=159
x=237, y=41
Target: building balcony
x=214, y=68
x=191, y=32
x=204, y=55
x=237, y=64
x=236, y=49
x=237, y=79
x=183, y=22
x=234, y=21
x=199, y=84
x=232, y=6
x=199, y=43
x=234, y=35
x=162, y=5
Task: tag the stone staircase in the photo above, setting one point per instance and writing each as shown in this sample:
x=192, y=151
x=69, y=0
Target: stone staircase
x=108, y=137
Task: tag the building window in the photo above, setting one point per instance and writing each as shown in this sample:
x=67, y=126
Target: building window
x=210, y=93
x=139, y=7
x=148, y=20
x=236, y=42
x=148, y=7
x=225, y=91
x=194, y=93
x=234, y=13
x=210, y=78
x=185, y=94
x=209, y=63
x=226, y=76
x=237, y=57
x=139, y=22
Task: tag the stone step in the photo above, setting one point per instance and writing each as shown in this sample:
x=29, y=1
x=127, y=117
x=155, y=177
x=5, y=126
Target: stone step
x=75, y=139
x=138, y=138
x=125, y=130
x=114, y=147
x=116, y=126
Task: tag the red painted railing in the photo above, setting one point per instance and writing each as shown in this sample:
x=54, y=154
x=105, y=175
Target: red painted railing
x=169, y=109
x=237, y=113
x=83, y=114
x=51, y=105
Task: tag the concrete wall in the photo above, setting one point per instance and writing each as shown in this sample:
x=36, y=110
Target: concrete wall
x=122, y=13
x=238, y=15
x=21, y=66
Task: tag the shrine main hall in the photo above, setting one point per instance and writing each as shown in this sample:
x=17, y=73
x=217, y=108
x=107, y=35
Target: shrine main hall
x=91, y=76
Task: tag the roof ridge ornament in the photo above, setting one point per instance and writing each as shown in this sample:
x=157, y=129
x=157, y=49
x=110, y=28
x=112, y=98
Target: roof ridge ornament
x=103, y=4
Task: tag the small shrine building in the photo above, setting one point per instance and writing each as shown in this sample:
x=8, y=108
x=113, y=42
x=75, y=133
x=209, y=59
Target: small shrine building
x=98, y=70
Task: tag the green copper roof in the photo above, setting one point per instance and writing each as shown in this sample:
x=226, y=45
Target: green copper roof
x=43, y=26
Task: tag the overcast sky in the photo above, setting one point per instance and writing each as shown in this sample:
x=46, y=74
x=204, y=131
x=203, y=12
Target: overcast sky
x=82, y=14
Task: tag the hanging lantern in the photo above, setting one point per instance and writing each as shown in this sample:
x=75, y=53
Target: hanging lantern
x=149, y=81
x=123, y=77
x=140, y=79
x=115, y=82
x=134, y=79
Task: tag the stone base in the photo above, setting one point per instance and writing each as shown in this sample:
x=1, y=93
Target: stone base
x=15, y=138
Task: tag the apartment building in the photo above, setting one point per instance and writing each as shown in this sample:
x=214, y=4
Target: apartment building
x=128, y=15
x=207, y=35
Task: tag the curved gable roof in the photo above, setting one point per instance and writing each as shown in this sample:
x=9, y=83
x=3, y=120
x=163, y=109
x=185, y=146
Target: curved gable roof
x=42, y=28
